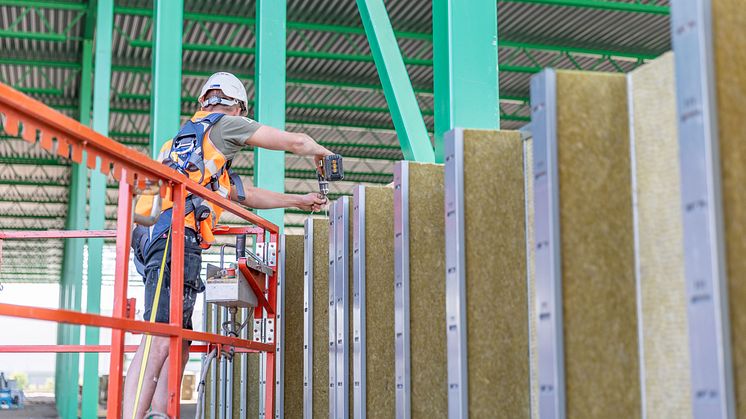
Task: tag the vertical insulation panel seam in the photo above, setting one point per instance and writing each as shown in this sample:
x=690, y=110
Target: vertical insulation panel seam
x=341, y=294
x=704, y=248
x=528, y=202
x=332, y=313
x=308, y=319
x=458, y=397
x=401, y=290
x=547, y=268
x=358, y=303
x=636, y=233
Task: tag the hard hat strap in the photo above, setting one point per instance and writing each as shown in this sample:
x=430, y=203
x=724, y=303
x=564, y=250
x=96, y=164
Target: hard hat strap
x=217, y=100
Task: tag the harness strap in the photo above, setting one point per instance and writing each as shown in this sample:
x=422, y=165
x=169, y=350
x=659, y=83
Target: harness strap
x=238, y=184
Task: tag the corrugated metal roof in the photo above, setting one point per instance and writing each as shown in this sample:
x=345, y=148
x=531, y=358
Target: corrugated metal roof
x=333, y=90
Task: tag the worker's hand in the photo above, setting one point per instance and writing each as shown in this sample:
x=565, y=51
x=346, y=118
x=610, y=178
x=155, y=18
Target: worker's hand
x=323, y=152
x=311, y=202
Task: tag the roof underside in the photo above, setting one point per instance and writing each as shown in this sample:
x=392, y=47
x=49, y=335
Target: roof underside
x=333, y=90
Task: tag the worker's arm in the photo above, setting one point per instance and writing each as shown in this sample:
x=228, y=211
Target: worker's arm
x=259, y=198
x=293, y=142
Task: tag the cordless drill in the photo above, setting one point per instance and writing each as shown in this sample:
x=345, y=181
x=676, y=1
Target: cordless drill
x=329, y=169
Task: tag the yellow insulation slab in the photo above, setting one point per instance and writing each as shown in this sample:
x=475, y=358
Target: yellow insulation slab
x=660, y=257
x=320, y=318
x=427, y=292
x=293, y=322
x=729, y=32
x=496, y=295
x=598, y=281
x=379, y=308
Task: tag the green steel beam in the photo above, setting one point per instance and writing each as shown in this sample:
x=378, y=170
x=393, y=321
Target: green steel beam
x=405, y=111
x=72, y=269
x=37, y=36
x=637, y=7
x=40, y=4
x=465, y=74
x=269, y=86
x=102, y=86
x=299, y=105
x=166, y=90
x=71, y=286
x=422, y=36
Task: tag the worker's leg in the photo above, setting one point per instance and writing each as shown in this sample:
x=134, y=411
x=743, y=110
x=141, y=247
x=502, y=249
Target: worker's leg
x=138, y=393
x=191, y=289
x=156, y=357
x=160, y=398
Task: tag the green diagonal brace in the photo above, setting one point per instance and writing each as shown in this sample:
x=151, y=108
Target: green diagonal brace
x=166, y=91
x=405, y=111
x=465, y=67
x=270, y=96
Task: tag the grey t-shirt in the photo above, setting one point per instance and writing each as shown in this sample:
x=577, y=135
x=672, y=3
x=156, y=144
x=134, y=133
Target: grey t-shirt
x=230, y=133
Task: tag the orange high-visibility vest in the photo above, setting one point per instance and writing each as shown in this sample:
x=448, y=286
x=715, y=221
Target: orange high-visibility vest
x=214, y=163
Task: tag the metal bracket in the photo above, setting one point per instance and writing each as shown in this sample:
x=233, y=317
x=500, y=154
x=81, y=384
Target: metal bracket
x=259, y=330
x=341, y=293
x=332, y=316
x=269, y=328
x=308, y=320
x=704, y=247
x=548, y=262
x=456, y=328
x=267, y=253
x=358, y=304
x=272, y=256
x=402, y=367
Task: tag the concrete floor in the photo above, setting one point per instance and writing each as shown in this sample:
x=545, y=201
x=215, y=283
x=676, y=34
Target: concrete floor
x=43, y=408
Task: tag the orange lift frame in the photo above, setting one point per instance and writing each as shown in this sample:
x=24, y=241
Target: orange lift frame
x=68, y=138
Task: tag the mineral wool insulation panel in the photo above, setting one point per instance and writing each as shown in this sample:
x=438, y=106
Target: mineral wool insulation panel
x=596, y=238
x=376, y=293
x=729, y=31
x=293, y=317
x=492, y=274
x=320, y=316
x=659, y=240
x=427, y=381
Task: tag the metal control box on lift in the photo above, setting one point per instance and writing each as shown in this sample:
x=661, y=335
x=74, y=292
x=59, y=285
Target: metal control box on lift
x=228, y=288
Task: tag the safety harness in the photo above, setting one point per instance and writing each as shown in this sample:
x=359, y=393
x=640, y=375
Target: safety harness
x=186, y=156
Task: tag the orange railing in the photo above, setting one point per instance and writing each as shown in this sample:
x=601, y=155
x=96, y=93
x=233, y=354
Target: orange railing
x=57, y=133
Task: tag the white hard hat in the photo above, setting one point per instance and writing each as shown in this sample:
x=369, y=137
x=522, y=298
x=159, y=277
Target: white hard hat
x=227, y=83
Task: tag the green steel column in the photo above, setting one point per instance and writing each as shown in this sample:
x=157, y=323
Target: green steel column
x=405, y=111
x=97, y=205
x=270, y=97
x=464, y=67
x=71, y=287
x=165, y=103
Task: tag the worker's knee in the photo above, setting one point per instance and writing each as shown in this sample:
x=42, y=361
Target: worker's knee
x=159, y=348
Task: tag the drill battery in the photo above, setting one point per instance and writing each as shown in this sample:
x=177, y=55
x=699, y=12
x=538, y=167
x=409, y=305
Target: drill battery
x=330, y=169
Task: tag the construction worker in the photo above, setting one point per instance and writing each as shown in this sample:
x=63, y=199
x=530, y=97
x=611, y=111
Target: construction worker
x=216, y=133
